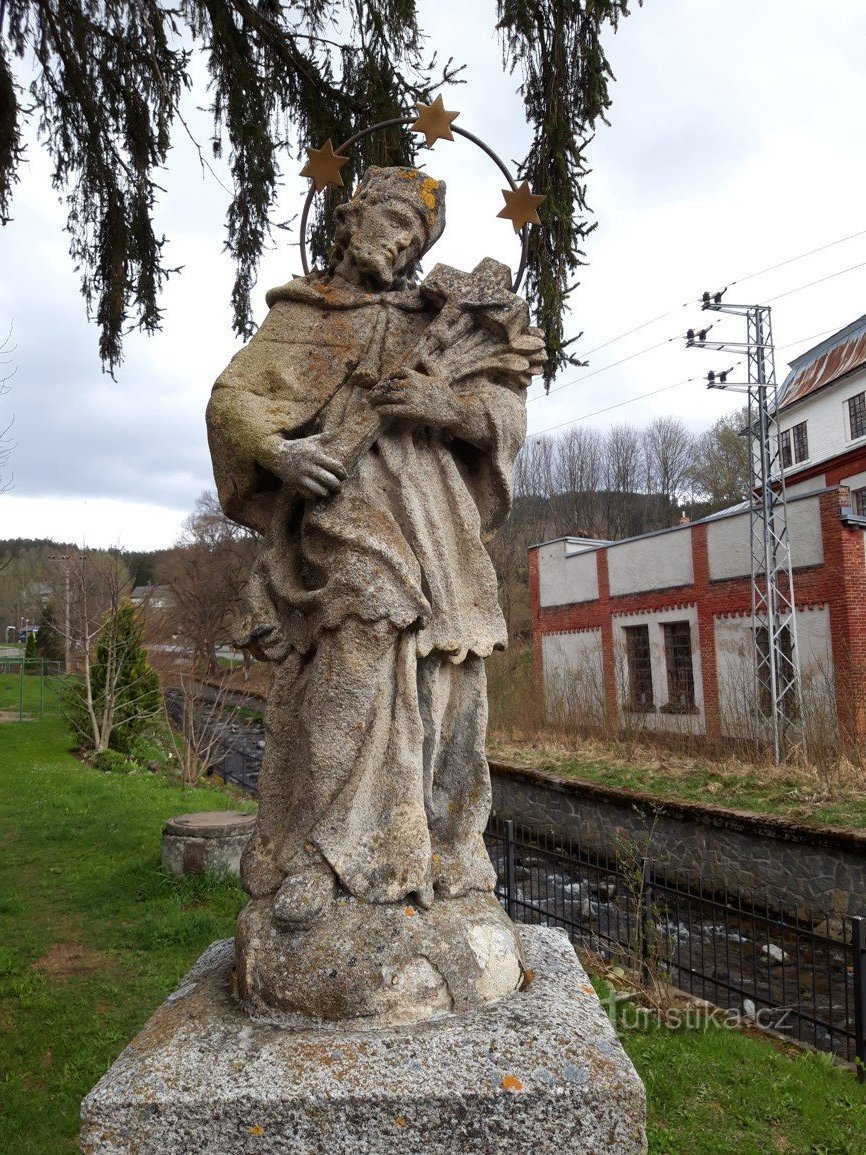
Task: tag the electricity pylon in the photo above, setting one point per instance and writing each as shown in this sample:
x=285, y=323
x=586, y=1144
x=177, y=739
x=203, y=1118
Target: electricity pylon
x=777, y=666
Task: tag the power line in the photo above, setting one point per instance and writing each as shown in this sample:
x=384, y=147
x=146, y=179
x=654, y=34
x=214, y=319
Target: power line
x=820, y=281
x=636, y=329
x=620, y=404
x=663, y=389
x=799, y=257
x=669, y=340
x=604, y=368
x=739, y=281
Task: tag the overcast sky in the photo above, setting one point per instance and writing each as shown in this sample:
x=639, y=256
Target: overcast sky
x=736, y=142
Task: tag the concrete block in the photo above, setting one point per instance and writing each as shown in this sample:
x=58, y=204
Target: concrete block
x=208, y=840
x=541, y=1072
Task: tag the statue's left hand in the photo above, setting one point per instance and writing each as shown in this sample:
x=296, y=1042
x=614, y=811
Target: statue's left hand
x=416, y=399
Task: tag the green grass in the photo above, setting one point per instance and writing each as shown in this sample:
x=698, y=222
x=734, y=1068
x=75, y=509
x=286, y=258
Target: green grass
x=93, y=935
x=520, y=732
x=787, y=795
x=31, y=693
x=712, y=1090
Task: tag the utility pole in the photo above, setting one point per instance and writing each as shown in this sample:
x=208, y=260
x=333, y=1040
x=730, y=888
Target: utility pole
x=67, y=634
x=774, y=618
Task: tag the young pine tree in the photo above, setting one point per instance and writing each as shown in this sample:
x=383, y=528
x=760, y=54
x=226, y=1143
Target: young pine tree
x=117, y=695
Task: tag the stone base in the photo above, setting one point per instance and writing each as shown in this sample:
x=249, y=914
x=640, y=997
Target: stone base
x=411, y=964
x=541, y=1072
x=211, y=840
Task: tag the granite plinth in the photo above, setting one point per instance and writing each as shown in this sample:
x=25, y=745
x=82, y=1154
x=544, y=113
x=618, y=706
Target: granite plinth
x=211, y=840
x=541, y=1072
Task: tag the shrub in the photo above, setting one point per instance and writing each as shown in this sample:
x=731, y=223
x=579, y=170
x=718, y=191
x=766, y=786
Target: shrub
x=117, y=697
x=112, y=761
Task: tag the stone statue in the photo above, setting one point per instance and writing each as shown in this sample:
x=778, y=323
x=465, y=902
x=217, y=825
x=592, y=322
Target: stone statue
x=368, y=432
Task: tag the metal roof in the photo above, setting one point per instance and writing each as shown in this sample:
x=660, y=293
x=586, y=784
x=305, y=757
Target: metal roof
x=842, y=353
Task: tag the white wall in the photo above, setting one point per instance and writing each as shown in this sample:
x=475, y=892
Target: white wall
x=735, y=665
x=826, y=417
x=566, y=573
x=728, y=545
x=656, y=720
x=807, y=486
x=651, y=563
x=855, y=481
x=573, y=674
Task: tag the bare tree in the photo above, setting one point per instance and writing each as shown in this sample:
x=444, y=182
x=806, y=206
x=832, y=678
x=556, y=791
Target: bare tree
x=205, y=574
x=670, y=452
x=721, y=470
x=579, y=469
x=6, y=374
x=196, y=725
x=624, y=476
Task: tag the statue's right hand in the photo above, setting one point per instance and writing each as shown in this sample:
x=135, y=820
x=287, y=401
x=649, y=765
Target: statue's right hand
x=309, y=467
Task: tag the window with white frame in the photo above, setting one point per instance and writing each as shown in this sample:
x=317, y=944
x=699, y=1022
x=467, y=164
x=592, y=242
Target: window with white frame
x=857, y=416
x=794, y=445
x=785, y=448
x=801, y=442
x=858, y=501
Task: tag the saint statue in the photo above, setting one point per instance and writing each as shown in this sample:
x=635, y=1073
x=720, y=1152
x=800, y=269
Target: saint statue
x=368, y=432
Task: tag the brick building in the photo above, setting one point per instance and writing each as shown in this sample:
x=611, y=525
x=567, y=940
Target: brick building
x=660, y=626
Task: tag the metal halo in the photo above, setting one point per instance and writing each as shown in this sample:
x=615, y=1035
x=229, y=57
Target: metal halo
x=395, y=120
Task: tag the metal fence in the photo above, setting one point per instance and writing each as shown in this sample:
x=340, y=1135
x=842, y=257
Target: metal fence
x=799, y=972
x=237, y=765
x=802, y=973
x=30, y=688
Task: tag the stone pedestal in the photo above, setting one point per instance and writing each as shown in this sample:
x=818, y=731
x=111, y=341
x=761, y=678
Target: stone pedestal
x=540, y=1073
x=209, y=840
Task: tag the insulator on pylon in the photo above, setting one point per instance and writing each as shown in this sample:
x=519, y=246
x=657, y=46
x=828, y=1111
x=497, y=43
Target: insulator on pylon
x=711, y=377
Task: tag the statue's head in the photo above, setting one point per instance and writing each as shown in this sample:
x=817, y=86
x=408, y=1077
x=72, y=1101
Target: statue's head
x=393, y=218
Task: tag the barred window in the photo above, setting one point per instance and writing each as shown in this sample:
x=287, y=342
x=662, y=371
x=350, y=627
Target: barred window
x=785, y=448
x=640, y=675
x=678, y=658
x=801, y=442
x=857, y=415
x=858, y=501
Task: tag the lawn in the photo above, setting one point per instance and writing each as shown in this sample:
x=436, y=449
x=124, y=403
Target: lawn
x=712, y=1090
x=30, y=694
x=788, y=792
x=832, y=793
x=94, y=937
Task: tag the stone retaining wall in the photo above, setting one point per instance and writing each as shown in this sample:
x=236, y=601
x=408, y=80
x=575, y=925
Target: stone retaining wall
x=777, y=860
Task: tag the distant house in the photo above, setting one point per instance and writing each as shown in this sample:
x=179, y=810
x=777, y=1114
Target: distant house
x=659, y=627
x=151, y=597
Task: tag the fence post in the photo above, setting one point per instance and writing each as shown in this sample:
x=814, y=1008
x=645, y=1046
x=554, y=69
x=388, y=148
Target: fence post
x=510, y=869
x=646, y=901
x=858, y=948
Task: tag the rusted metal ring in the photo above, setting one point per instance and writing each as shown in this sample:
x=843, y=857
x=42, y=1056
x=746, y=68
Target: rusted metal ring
x=340, y=150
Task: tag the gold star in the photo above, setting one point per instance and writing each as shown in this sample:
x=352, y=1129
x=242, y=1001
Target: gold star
x=434, y=120
x=521, y=206
x=324, y=166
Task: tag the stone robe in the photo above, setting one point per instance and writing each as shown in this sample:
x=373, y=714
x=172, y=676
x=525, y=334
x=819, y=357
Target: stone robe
x=378, y=603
